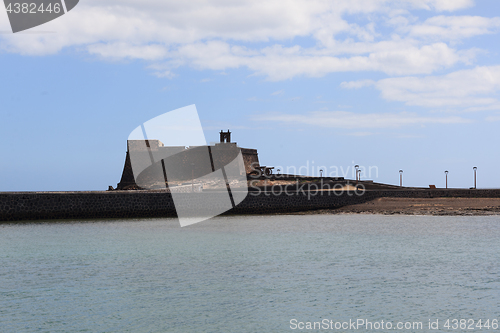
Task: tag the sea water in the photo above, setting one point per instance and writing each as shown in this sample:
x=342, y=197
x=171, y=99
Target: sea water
x=285, y=273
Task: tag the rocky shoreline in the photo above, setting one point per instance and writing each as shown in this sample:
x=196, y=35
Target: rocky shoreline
x=420, y=206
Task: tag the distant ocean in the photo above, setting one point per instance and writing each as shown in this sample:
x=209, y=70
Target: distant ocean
x=251, y=274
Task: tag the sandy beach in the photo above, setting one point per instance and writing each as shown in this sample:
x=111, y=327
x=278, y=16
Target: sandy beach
x=420, y=206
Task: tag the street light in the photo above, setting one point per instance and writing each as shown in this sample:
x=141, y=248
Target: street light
x=278, y=171
x=400, y=177
x=446, y=173
x=321, y=173
x=357, y=167
x=359, y=177
x=475, y=169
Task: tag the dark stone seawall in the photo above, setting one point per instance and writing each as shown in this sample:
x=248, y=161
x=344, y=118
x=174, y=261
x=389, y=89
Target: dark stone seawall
x=18, y=206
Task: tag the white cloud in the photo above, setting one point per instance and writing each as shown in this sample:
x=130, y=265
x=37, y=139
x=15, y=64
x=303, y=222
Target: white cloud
x=281, y=63
x=123, y=50
x=455, y=27
x=443, y=5
x=465, y=88
x=209, y=34
x=474, y=89
x=351, y=120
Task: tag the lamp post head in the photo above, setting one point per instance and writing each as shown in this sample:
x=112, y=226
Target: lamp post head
x=356, y=166
x=400, y=171
x=446, y=172
x=474, y=168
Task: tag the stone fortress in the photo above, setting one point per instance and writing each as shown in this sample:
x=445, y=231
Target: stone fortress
x=183, y=163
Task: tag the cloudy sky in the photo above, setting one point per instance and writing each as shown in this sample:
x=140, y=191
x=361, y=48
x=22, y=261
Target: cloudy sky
x=388, y=85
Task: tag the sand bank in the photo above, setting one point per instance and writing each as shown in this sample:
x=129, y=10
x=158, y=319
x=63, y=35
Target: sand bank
x=420, y=206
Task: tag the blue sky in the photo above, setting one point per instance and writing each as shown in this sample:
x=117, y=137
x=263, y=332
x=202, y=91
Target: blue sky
x=390, y=85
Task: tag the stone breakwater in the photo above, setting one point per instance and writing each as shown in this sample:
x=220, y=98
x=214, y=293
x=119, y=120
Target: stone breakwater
x=18, y=206
x=133, y=204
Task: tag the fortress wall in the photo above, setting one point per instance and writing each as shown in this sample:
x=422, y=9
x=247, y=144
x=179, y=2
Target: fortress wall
x=84, y=205
x=133, y=204
x=250, y=157
x=188, y=163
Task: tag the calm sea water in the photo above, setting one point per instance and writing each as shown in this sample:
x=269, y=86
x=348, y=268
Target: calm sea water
x=248, y=274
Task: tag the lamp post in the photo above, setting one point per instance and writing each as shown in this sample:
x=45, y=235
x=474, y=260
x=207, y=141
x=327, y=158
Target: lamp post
x=357, y=167
x=359, y=177
x=475, y=169
x=278, y=171
x=446, y=173
x=321, y=173
x=401, y=178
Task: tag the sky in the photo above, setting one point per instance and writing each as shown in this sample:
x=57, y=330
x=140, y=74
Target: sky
x=408, y=85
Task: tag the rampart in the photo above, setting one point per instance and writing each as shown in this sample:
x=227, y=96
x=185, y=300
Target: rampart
x=18, y=206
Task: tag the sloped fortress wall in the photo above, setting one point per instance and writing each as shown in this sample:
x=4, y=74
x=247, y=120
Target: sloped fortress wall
x=183, y=163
